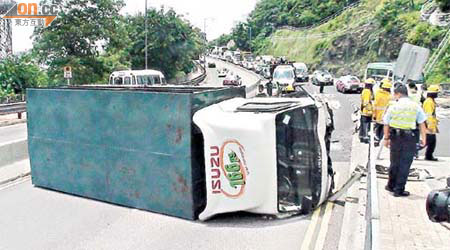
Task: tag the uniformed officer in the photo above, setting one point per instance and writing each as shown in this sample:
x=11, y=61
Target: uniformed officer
x=382, y=99
x=429, y=106
x=269, y=86
x=399, y=122
x=366, y=110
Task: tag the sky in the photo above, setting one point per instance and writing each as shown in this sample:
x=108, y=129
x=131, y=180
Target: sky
x=218, y=15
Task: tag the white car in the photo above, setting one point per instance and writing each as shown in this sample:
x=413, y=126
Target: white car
x=322, y=77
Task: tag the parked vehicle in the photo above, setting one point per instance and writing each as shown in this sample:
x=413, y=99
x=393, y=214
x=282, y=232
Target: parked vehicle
x=211, y=65
x=232, y=80
x=301, y=72
x=137, y=77
x=322, y=77
x=349, y=83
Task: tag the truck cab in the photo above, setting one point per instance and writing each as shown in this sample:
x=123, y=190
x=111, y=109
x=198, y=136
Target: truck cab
x=265, y=155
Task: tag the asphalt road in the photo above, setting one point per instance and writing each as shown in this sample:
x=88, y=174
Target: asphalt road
x=13, y=133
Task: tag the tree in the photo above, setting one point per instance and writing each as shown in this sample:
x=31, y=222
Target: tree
x=172, y=42
x=18, y=73
x=88, y=35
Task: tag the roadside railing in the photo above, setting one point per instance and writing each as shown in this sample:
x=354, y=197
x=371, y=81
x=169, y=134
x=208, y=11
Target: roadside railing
x=197, y=80
x=11, y=108
x=12, y=99
x=372, y=209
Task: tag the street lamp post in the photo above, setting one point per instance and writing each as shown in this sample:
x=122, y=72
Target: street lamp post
x=146, y=37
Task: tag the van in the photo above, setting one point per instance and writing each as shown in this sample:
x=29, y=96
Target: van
x=137, y=77
x=301, y=72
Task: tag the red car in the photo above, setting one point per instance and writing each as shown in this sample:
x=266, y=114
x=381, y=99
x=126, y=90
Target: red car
x=232, y=80
x=349, y=84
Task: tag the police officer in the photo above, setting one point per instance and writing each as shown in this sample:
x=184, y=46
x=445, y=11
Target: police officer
x=366, y=110
x=399, y=122
x=269, y=86
x=429, y=106
x=382, y=99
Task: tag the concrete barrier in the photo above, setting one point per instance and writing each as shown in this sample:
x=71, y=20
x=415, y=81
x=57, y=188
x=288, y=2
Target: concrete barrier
x=13, y=151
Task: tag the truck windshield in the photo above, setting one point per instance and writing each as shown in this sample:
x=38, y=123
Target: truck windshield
x=283, y=74
x=377, y=72
x=299, y=159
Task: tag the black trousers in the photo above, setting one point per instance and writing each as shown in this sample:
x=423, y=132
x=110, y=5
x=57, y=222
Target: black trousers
x=403, y=149
x=431, y=146
x=379, y=131
x=322, y=86
x=365, y=127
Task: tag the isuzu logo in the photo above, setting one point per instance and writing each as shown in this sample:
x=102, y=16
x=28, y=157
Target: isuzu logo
x=228, y=170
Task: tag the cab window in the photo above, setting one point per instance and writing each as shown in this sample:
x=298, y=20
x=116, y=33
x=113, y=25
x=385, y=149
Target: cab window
x=157, y=79
x=118, y=81
x=127, y=80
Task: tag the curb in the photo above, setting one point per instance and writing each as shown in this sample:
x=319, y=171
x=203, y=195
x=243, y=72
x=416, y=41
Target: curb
x=13, y=151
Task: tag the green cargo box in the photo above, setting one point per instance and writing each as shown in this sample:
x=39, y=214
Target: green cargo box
x=135, y=147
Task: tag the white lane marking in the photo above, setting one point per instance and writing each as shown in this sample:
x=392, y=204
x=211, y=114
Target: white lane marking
x=311, y=228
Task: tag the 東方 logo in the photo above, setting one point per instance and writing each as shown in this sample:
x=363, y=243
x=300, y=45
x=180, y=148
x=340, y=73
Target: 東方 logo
x=228, y=171
x=30, y=14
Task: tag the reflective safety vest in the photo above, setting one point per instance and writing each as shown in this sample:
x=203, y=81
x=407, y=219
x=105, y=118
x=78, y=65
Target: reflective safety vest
x=366, y=102
x=429, y=106
x=404, y=114
x=382, y=99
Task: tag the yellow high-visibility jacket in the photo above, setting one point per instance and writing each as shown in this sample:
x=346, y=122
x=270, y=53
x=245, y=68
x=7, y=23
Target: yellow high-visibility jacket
x=429, y=106
x=366, y=102
x=382, y=99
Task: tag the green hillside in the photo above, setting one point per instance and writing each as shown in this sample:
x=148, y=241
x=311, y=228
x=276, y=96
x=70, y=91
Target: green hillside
x=371, y=32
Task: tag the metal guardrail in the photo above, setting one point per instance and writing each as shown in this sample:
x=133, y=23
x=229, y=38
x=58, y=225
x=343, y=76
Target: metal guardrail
x=197, y=80
x=322, y=21
x=12, y=108
x=372, y=208
x=12, y=99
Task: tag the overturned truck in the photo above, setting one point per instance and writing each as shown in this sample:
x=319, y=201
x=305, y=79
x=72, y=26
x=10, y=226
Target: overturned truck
x=187, y=152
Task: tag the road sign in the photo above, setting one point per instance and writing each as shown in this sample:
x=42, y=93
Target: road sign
x=68, y=72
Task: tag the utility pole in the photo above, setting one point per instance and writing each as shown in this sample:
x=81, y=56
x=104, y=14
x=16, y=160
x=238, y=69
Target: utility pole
x=250, y=31
x=146, y=37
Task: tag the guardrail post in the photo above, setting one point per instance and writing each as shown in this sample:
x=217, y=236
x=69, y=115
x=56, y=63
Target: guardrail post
x=372, y=208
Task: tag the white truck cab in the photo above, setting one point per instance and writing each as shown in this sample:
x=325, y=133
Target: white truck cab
x=265, y=155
